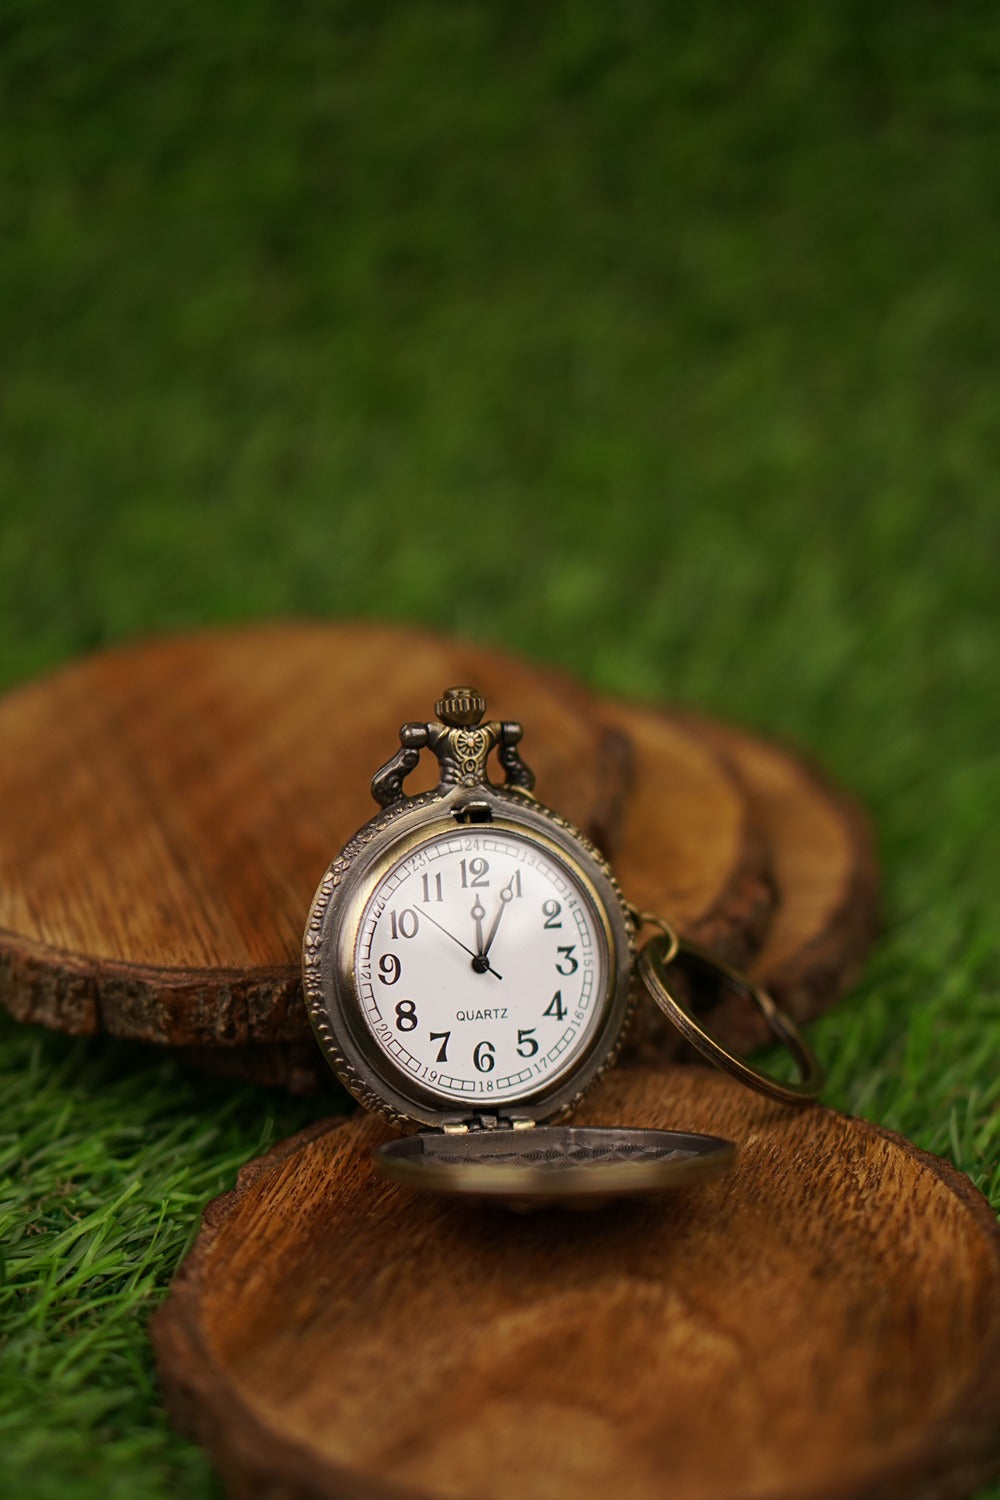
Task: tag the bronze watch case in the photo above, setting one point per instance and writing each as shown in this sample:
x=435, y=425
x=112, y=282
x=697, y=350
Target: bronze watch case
x=515, y=1156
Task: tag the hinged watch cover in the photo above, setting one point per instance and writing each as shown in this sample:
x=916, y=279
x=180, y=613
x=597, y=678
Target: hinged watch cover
x=468, y=965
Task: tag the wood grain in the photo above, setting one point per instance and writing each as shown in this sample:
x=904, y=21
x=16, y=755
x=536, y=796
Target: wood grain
x=170, y=807
x=823, y=1323
x=822, y=863
x=677, y=807
x=823, y=853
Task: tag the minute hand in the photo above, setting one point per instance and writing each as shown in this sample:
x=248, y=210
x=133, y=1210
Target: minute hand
x=506, y=896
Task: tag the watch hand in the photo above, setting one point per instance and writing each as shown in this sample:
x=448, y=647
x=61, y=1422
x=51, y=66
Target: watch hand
x=506, y=896
x=437, y=924
x=476, y=957
x=478, y=913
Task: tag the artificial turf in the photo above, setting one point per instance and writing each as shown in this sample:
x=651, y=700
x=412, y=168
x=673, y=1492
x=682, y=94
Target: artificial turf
x=659, y=343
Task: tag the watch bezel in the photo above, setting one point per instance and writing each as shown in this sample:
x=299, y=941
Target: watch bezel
x=331, y=990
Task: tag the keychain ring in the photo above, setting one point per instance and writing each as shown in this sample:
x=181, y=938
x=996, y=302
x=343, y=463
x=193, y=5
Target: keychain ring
x=652, y=919
x=653, y=963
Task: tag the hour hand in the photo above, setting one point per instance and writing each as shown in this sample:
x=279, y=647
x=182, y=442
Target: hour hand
x=478, y=914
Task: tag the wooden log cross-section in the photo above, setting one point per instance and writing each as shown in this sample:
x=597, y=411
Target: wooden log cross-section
x=822, y=1323
x=171, y=805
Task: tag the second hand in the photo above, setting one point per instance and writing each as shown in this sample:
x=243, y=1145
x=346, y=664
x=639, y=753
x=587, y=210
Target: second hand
x=474, y=956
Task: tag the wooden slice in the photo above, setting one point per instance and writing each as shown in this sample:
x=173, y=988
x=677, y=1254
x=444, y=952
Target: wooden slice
x=676, y=808
x=171, y=806
x=823, y=1322
x=825, y=875
x=823, y=855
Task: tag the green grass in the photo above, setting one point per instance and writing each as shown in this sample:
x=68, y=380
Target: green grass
x=657, y=343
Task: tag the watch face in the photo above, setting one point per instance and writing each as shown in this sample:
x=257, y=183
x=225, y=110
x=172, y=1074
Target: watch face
x=481, y=966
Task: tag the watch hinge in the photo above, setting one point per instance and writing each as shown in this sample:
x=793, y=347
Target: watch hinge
x=473, y=812
x=479, y=1121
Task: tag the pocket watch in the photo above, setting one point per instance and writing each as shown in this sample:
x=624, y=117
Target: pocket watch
x=470, y=965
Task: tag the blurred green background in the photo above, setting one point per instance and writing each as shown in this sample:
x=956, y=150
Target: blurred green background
x=657, y=342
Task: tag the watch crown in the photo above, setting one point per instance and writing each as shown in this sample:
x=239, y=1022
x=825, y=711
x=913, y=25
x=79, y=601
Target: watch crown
x=461, y=707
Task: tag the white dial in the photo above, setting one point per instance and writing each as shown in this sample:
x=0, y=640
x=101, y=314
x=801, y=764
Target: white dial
x=481, y=966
